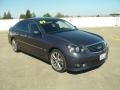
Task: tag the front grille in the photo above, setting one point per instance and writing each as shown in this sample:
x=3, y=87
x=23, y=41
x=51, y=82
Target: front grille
x=97, y=47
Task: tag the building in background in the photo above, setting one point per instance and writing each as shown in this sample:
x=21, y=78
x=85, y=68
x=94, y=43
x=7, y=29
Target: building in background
x=117, y=15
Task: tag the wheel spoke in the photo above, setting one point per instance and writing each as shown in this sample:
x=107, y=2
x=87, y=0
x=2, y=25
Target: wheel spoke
x=53, y=57
x=57, y=55
x=59, y=66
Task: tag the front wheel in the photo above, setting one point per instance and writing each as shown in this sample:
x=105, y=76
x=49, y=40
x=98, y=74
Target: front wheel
x=57, y=60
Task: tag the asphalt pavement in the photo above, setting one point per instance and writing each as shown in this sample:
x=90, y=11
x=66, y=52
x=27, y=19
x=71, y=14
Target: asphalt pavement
x=20, y=71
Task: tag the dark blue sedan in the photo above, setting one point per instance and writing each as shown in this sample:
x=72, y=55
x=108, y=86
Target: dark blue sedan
x=60, y=43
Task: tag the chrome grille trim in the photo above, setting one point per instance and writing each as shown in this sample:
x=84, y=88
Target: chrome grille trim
x=95, y=43
x=94, y=48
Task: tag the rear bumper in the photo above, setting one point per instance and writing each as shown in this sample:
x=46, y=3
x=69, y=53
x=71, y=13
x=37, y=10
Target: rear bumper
x=85, y=61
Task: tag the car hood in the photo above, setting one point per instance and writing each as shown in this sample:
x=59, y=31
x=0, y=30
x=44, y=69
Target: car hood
x=79, y=37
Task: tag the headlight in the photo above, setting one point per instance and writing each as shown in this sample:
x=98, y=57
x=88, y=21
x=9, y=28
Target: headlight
x=75, y=49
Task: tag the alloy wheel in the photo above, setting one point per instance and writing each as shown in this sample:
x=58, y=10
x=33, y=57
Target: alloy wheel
x=58, y=61
x=14, y=45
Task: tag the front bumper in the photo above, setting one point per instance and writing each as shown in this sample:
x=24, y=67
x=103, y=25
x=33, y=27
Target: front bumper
x=85, y=61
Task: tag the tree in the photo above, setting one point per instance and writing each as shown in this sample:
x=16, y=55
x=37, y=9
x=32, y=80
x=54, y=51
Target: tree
x=28, y=14
x=33, y=15
x=7, y=15
x=98, y=15
x=0, y=17
x=59, y=15
x=47, y=15
x=78, y=16
x=22, y=16
x=66, y=16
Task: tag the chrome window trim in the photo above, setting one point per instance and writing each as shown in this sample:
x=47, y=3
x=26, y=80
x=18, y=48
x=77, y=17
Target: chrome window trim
x=95, y=43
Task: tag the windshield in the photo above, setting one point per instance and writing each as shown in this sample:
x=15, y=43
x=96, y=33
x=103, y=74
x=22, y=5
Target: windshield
x=55, y=26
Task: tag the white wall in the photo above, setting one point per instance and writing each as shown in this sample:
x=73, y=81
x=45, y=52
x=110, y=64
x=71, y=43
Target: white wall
x=94, y=21
x=79, y=22
x=7, y=23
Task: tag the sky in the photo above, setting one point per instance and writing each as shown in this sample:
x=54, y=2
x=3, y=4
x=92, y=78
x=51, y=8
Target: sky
x=67, y=7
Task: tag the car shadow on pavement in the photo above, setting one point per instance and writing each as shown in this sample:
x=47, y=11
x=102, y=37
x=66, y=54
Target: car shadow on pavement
x=38, y=58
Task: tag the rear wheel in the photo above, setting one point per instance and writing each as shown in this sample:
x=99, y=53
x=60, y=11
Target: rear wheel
x=57, y=60
x=14, y=45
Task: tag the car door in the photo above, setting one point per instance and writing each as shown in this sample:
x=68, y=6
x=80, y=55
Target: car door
x=22, y=34
x=36, y=40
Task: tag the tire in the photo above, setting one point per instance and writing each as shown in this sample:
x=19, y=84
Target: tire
x=57, y=61
x=14, y=45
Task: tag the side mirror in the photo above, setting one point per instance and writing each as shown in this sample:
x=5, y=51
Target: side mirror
x=75, y=27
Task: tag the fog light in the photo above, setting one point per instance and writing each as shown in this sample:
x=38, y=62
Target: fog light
x=77, y=65
x=83, y=65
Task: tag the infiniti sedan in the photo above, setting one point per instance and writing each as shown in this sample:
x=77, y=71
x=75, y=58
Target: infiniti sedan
x=58, y=42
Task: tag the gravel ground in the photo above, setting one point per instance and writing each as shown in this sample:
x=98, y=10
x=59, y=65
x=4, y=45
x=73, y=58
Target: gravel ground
x=20, y=71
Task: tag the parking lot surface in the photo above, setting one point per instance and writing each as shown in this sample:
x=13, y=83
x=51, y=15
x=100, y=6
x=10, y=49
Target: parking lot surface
x=20, y=71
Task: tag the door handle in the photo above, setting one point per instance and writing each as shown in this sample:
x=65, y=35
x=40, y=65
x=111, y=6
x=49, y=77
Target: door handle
x=25, y=35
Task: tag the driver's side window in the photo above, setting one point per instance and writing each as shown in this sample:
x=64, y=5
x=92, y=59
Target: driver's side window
x=61, y=24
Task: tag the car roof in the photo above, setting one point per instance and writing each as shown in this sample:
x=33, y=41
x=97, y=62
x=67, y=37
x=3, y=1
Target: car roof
x=43, y=18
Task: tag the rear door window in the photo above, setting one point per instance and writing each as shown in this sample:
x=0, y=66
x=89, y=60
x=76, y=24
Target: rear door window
x=23, y=26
